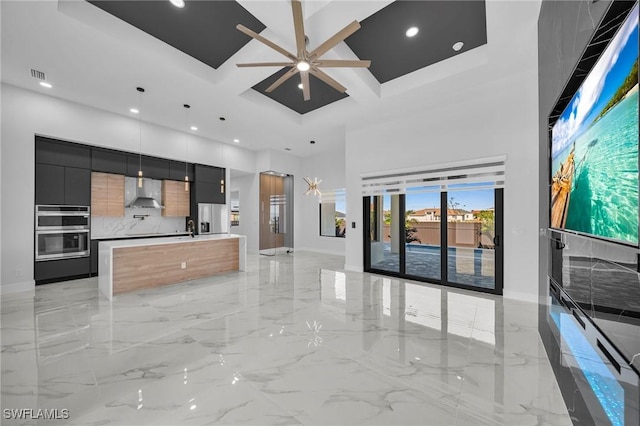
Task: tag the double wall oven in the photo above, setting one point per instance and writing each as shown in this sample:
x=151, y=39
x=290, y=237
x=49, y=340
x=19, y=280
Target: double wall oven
x=62, y=232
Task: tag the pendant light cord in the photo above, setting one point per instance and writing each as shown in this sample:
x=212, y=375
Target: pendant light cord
x=186, y=139
x=140, y=91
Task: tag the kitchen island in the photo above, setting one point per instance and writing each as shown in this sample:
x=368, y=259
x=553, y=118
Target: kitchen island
x=130, y=265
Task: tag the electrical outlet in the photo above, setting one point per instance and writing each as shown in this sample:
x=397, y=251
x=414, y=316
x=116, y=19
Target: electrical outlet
x=19, y=272
x=184, y=265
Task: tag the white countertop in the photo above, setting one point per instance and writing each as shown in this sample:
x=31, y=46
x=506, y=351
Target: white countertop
x=138, y=242
x=133, y=236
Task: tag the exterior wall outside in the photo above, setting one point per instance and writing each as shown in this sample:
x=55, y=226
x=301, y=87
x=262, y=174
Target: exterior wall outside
x=459, y=234
x=489, y=110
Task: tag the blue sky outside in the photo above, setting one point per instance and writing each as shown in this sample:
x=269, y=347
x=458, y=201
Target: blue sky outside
x=607, y=75
x=479, y=199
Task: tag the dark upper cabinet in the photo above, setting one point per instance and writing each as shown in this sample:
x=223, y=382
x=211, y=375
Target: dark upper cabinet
x=210, y=186
x=155, y=168
x=221, y=187
x=177, y=170
x=63, y=185
x=206, y=173
x=204, y=192
x=50, y=151
x=133, y=164
x=108, y=161
x=77, y=186
x=50, y=184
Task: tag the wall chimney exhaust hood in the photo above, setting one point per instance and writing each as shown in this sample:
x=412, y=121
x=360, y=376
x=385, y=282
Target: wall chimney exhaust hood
x=145, y=203
x=144, y=196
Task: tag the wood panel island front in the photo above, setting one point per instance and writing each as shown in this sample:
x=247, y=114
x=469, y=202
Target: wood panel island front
x=130, y=265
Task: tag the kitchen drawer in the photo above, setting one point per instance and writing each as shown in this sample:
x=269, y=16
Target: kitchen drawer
x=61, y=270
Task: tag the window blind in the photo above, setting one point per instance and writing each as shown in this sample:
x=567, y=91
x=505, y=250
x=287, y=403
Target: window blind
x=463, y=175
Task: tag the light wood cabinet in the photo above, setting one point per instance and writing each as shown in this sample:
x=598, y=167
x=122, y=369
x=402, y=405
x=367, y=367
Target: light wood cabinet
x=175, y=198
x=107, y=194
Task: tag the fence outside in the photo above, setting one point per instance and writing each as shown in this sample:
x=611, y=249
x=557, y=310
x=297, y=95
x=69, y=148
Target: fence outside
x=460, y=234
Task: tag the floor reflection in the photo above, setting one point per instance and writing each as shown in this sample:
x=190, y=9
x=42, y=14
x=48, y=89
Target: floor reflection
x=295, y=340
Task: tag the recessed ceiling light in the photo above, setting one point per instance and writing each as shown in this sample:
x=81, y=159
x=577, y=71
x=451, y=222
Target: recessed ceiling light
x=457, y=46
x=45, y=84
x=303, y=66
x=300, y=86
x=133, y=110
x=177, y=3
x=411, y=32
x=194, y=128
x=236, y=140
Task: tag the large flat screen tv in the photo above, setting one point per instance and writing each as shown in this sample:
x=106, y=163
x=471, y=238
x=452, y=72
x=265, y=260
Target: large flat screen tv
x=594, y=146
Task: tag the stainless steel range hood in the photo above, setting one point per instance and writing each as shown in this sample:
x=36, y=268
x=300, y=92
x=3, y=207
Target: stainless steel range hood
x=144, y=196
x=145, y=203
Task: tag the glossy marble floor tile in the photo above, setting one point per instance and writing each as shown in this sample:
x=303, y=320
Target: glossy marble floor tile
x=294, y=340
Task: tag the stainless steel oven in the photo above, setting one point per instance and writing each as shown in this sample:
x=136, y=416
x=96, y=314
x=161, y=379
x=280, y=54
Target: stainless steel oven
x=62, y=217
x=62, y=232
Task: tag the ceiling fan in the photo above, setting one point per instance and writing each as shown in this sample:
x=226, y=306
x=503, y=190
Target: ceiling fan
x=305, y=62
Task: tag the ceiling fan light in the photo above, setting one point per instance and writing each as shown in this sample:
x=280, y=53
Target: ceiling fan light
x=303, y=66
x=177, y=3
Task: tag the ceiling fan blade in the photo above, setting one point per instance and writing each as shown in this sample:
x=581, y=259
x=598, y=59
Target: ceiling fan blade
x=263, y=40
x=298, y=25
x=267, y=64
x=335, y=39
x=286, y=76
x=306, y=90
x=325, y=77
x=332, y=63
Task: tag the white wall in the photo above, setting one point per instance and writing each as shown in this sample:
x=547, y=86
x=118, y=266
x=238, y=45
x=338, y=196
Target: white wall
x=26, y=113
x=330, y=167
x=249, y=190
x=487, y=111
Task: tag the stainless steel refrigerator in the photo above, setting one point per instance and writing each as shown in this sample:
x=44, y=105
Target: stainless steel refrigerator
x=213, y=218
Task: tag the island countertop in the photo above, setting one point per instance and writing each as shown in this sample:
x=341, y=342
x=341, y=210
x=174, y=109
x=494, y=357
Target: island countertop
x=130, y=265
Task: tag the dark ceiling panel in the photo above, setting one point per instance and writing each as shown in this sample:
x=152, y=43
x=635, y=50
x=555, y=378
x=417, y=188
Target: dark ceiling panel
x=441, y=23
x=289, y=95
x=205, y=30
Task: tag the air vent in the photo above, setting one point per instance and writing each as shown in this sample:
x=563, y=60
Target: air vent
x=38, y=74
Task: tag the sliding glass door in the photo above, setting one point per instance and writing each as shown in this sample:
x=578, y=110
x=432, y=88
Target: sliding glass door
x=450, y=237
x=471, y=237
x=384, y=240
x=423, y=235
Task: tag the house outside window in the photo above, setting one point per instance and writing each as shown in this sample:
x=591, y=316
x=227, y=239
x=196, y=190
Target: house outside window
x=333, y=210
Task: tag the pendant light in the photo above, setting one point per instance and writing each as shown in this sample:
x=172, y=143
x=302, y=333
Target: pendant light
x=140, y=92
x=313, y=184
x=186, y=146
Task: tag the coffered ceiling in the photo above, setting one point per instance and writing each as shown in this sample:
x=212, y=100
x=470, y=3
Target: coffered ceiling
x=97, y=52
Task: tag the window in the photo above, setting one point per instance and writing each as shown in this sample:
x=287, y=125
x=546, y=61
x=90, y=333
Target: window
x=333, y=210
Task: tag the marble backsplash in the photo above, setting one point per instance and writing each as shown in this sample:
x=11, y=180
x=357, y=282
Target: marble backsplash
x=148, y=221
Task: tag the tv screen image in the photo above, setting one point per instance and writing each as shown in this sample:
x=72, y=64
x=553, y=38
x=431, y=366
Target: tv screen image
x=594, y=146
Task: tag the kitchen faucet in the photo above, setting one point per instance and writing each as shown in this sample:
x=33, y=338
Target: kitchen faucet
x=190, y=228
